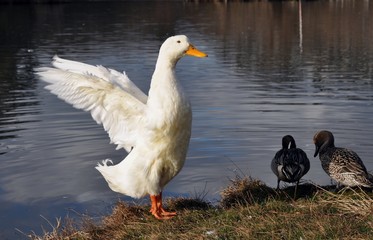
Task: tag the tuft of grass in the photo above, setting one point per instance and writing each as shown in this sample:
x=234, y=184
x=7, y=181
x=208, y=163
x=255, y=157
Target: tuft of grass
x=349, y=200
x=245, y=191
x=248, y=210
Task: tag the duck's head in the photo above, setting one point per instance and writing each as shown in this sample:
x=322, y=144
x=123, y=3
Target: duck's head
x=323, y=140
x=178, y=46
x=288, y=142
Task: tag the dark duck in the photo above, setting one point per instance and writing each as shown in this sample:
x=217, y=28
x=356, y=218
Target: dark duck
x=290, y=163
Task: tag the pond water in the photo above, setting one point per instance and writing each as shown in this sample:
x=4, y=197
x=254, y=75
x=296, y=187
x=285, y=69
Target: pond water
x=273, y=69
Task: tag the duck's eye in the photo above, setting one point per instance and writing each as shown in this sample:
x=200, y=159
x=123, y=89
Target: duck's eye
x=178, y=41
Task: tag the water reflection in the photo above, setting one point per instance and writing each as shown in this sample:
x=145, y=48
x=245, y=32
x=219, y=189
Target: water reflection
x=256, y=86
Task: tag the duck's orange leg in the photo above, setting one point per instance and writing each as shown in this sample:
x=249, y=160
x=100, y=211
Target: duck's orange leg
x=157, y=210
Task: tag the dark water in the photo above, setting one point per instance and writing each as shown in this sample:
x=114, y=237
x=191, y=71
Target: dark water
x=269, y=73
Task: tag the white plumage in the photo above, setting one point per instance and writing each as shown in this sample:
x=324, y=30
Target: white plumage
x=154, y=129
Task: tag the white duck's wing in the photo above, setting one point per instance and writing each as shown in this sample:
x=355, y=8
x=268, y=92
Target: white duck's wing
x=109, y=75
x=115, y=104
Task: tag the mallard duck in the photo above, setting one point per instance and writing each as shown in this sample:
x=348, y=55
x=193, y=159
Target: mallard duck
x=290, y=163
x=341, y=164
x=154, y=129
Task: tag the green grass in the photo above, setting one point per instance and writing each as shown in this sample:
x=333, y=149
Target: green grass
x=248, y=210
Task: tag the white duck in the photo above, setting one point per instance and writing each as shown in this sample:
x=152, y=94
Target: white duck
x=154, y=129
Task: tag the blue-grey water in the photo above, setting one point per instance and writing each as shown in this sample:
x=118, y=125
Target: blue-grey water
x=273, y=69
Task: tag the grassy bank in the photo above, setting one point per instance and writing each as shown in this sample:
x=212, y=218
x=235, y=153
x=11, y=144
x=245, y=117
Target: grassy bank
x=248, y=210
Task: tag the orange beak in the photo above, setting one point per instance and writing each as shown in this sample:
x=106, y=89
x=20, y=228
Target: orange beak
x=192, y=51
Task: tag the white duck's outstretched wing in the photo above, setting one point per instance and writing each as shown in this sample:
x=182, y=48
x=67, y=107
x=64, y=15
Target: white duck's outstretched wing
x=109, y=75
x=112, y=100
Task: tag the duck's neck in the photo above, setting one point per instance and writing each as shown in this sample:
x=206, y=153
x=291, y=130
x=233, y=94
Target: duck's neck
x=327, y=145
x=164, y=63
x=163, y=76
x=164, y=86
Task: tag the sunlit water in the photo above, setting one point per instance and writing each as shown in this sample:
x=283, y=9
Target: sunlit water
x=268, y=74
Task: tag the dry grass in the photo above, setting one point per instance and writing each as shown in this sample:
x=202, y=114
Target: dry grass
x=352, y=201
x=248, y=210
x=245, y=191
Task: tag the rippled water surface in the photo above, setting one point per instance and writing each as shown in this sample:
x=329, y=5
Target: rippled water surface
x=272, y=70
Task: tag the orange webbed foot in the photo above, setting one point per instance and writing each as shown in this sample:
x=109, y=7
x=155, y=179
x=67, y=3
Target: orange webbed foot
x=157, y=210
x=165, y=213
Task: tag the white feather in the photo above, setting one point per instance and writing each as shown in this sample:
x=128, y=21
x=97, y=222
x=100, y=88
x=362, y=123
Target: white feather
x=109, y=104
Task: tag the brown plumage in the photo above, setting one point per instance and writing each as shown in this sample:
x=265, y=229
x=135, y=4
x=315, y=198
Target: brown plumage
x=341, y=164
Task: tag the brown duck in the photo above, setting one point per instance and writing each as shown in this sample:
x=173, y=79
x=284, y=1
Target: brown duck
x=341, y=164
